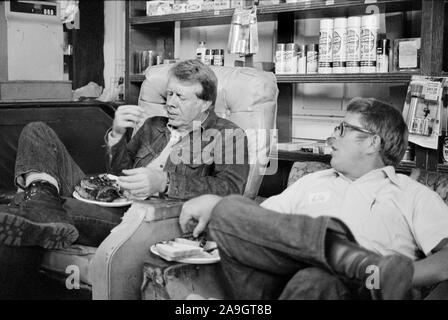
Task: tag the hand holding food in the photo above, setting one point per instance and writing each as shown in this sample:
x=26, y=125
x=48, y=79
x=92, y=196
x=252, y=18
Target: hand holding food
x=126, y=116
x=143, y=182
x=197, y=210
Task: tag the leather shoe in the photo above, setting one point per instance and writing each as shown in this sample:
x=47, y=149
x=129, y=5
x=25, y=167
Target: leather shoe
x=394, y=273
x=37, y=218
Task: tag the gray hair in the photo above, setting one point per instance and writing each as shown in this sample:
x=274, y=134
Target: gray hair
x=194, y=70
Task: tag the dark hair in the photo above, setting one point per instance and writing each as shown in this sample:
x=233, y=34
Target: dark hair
x=194, y=70
x=385, y=121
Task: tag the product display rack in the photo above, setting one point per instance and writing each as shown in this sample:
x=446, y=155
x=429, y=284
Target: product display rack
x=158, y=31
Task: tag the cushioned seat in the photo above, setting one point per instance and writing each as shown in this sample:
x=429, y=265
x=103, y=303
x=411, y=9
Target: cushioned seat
x=63, y=261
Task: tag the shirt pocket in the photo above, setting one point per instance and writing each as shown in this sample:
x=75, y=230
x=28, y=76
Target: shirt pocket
x=144, y=156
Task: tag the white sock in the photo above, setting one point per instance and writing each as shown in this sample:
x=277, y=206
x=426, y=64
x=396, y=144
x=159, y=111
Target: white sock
x=33, y=176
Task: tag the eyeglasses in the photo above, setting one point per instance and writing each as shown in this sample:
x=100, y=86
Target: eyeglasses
x=343, y=126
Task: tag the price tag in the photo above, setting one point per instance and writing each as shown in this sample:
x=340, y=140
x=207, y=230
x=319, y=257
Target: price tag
x=431, y=91
x=370, y=1
x=329, y=2
x=216, y=12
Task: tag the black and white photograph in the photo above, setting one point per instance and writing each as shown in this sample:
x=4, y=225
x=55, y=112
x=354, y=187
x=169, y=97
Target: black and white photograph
x=222, y=155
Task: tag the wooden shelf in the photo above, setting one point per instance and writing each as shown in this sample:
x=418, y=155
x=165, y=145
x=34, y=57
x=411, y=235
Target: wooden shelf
x=394, y=77
x=317, y=6
x=328, y=78
x=404, y=166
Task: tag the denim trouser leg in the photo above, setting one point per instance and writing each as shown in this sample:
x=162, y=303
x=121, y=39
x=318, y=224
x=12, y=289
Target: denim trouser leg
x=257, y=244
x=93, y=222
x=41, y=150
x=315, y=284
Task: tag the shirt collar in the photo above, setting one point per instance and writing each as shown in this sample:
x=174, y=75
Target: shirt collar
x=388, y=171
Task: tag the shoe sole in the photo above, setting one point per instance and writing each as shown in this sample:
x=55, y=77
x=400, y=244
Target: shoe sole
x=396, y=274
x=18, y=231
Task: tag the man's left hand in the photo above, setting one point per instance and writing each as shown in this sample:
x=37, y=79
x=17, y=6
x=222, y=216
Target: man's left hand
x=143, y=182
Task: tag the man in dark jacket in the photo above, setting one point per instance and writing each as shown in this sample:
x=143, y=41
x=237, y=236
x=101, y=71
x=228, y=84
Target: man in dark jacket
x=189, y=153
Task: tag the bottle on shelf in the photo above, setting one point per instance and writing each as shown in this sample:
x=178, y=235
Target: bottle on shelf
x=218, y=57
x=312, y=53
x=280, y=58
x=369, y=33
x=339, y=45
x=325, y=46
x=353, y=44
x=208, y=60
x=382, y=56
x=301, y=60
x=200, y=51
x=290, y=65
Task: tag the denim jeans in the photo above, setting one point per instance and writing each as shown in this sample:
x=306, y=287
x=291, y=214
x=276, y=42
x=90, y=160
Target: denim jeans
x=263, y=251
x=41, y=150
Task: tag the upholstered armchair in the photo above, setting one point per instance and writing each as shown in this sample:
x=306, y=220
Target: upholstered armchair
x=247, y=97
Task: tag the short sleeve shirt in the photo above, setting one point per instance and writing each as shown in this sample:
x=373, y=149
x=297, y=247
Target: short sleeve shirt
x=387, y=213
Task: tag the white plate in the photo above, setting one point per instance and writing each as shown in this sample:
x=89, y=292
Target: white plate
x=202, y=258
x=103, y=204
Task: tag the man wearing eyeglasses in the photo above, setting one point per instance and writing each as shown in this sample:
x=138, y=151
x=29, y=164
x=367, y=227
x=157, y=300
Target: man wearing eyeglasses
x=356, y=230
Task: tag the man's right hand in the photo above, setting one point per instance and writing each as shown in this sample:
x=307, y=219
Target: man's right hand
x=198, y=211
x=126, y=116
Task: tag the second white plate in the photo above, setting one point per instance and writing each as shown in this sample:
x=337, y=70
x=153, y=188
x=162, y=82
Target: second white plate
x=202, y=258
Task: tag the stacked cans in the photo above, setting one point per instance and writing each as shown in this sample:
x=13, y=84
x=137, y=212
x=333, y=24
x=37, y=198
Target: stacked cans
x=346, y=45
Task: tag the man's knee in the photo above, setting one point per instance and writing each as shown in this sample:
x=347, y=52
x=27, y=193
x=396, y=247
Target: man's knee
x=35, y=127
x=314, y=284
x=37, y=131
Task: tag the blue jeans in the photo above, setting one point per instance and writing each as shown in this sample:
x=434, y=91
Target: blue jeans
x=41, y=150
x=268, y=255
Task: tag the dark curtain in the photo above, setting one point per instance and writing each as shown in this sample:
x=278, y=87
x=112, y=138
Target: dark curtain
x=88, y=40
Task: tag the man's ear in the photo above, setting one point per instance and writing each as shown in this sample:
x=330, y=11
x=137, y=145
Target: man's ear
x=375, y=143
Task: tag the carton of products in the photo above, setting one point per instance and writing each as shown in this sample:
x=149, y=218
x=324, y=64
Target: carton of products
x=157, y=8
x=179, y=8
x=222, y=4
x=194, y=5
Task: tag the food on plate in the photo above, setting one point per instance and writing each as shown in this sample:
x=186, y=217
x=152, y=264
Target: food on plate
x=99, y=188
x=172, y=250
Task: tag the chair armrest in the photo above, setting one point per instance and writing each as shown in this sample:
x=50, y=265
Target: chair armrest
x=117, y=267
